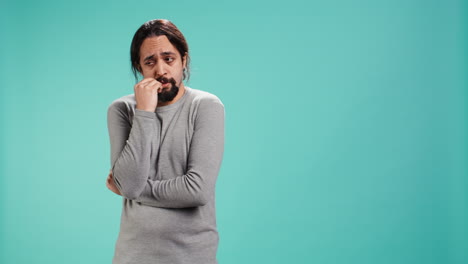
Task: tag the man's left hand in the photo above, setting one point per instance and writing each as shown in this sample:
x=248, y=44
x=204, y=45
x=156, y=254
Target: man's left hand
x=111, y=184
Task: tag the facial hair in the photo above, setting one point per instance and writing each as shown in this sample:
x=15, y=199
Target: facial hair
x=168, y=95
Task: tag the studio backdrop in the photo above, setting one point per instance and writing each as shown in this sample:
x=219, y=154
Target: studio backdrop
x=346, y=127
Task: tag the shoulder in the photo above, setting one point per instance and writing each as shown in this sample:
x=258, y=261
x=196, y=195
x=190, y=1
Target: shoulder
x=124, y=103
x=123, y=106
x=205, y=107
x=201, y=98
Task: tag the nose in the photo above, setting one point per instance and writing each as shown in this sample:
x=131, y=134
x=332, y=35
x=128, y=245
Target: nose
x=160, y=70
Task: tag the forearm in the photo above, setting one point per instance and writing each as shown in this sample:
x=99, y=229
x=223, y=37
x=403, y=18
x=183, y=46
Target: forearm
x=131, y=165
x=197, y=185
x=192, y=189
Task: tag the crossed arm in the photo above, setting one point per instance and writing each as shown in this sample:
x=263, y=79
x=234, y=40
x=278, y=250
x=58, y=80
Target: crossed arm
x=110, y=184
x=130, y=150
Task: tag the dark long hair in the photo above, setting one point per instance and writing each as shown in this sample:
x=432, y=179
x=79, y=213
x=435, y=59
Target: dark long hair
x=158, y=27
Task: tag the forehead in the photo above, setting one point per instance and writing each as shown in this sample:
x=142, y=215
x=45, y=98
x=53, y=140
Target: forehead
x=156, y=45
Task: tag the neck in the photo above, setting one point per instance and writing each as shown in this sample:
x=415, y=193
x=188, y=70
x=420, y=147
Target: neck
x=177, y=97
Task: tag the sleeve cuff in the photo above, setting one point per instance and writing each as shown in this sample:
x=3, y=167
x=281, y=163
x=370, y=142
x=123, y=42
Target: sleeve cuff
x=143, y=113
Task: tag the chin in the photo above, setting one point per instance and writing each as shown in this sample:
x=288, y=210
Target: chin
x=168, y=94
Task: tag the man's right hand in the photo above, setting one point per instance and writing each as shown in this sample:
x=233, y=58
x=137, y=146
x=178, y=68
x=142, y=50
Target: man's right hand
x=146, y=94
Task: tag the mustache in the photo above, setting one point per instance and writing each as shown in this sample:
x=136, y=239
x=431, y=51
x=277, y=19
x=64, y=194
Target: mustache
x=165, y=80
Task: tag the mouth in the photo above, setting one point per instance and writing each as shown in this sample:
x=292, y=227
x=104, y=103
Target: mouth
x=164, y=82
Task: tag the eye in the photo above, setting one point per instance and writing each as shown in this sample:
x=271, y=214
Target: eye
x=169, y=59
x=149, y=63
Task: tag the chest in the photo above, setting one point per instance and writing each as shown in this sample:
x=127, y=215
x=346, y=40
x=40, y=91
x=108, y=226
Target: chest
x=175, y=137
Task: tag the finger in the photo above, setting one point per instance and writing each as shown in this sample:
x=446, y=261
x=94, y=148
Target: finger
x=145, y=80
x=153, y=85
x=149, y=81
x=143, y=83
x=111, y=186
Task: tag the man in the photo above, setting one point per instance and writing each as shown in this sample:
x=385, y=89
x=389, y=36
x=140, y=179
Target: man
x=167, y=143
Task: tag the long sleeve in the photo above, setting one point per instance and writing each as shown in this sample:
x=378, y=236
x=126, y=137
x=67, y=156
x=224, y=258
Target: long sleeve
x=131, y=146
x=197, y=185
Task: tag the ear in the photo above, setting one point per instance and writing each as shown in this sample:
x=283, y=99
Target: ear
x=184, y=61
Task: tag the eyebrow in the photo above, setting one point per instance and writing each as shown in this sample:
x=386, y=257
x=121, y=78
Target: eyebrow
x=164, y=53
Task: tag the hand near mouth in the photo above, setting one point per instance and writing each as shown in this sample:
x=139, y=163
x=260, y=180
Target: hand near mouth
x=165, y=83
x=146, y=94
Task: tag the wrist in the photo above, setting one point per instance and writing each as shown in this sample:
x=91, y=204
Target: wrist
x=146, y=109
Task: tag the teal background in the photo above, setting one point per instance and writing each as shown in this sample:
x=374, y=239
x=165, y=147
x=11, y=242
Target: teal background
x=346, y=126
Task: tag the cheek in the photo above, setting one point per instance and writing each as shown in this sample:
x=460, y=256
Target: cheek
x=147, y=73
x=143, y=71
x=180, y=74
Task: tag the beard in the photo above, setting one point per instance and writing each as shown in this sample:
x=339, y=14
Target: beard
x=168, y=95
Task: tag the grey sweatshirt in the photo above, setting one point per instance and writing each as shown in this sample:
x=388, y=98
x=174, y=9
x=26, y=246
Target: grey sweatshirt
x=165, y=164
